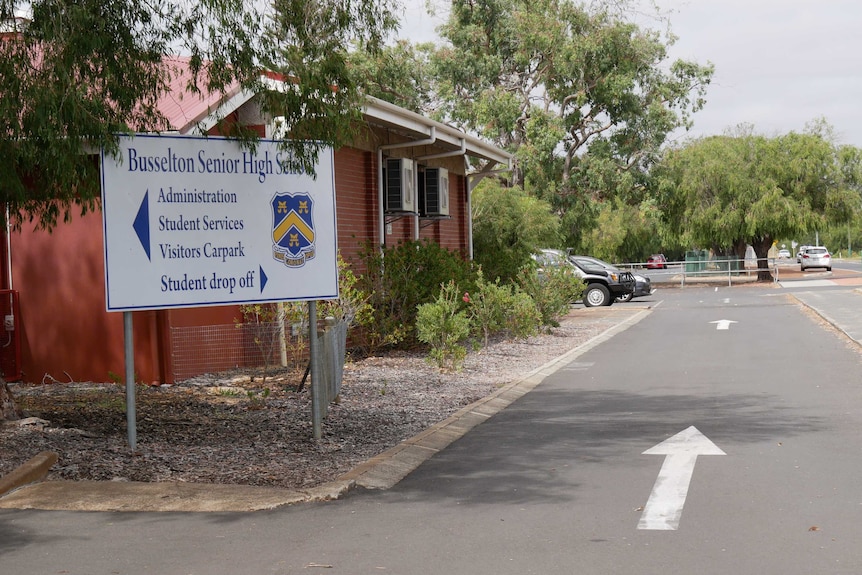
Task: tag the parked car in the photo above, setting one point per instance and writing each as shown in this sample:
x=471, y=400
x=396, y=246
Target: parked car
x=816, y=257
x=604, y=285
x=657, y=262
x=783, y=254
x=643, y=285
x=601, y=286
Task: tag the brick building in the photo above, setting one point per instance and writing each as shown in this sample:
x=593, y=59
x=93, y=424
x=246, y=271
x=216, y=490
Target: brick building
x=404, y=178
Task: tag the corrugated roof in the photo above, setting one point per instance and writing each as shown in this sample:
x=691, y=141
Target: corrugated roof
x=184, y=109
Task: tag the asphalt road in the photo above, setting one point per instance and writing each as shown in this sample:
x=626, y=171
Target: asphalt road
x=770, y=405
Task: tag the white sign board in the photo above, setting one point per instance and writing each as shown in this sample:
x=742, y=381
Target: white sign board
x=202, y=221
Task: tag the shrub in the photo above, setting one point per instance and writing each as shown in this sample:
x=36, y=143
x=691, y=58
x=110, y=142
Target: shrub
x=401, y=278
x=266, y=323
x=494, y=308
x=524, y=317
x=443, y=325
x=553, y=291
x=352, y=305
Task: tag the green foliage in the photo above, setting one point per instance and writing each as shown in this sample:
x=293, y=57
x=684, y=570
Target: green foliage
x=397, y=74
x=583, y=95
x=352, y=305
x=78, y=73
x=509, y=225
x=552, y=290
x=398, y=279
x=623, y=232
x=443, y=324
x=725, y=192
x=493, y=308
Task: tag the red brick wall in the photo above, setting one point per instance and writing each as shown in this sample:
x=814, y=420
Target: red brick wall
x=356, y=201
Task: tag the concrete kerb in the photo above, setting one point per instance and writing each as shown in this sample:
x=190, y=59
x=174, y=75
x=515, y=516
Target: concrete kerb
x=380, y=472
x=31, y=471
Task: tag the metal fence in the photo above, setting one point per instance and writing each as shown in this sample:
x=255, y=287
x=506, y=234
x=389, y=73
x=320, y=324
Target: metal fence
x=215, y=348
x=700, y=267
x=218, y=348
x=333, y=345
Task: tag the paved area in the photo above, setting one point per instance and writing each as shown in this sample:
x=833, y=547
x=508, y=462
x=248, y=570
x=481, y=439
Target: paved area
x=840, y=307
x=380, y=472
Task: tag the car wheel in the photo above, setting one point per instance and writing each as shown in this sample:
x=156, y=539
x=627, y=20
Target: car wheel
x=626, y=297
x=828, y=269
x=596, y=295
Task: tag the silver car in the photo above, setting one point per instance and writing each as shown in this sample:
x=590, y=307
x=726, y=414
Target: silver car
x=816, y=257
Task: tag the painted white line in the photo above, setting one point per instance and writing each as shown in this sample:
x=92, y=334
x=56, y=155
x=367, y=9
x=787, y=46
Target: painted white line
x=723, y=323
x=664, y=507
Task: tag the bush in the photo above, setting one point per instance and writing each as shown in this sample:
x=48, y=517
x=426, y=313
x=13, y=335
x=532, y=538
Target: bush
x=494, y=308
x=443, y=325
x=352, y=305
x=552, y=291
x=524, y=316
x=398, y=280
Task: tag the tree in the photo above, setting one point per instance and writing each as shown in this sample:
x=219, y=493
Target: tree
x=508, y=226
x=76, y=73
x=726, y=192
x=583, y=97
x=73, y=74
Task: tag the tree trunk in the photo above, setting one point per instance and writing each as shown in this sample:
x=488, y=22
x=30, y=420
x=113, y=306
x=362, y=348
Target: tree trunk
x=8, y=408
x=761, y=249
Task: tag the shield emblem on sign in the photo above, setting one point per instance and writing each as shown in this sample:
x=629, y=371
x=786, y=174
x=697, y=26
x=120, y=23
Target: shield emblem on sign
x=292, y=228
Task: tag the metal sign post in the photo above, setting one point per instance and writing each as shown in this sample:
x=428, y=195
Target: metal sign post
x=131, y=418
x=316, y=375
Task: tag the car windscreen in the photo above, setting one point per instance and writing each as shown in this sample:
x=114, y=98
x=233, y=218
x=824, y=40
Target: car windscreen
x=593, y=264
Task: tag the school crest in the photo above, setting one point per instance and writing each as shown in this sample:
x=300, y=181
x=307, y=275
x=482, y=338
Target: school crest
x=292, y=229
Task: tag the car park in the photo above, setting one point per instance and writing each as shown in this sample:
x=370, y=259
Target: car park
x=657, y=262
x=816, y=257
x=643, y=284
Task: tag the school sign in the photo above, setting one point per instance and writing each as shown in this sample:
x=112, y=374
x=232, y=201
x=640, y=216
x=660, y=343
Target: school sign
x=202, y=221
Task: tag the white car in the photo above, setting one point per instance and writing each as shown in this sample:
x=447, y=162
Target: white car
x=816, y=257
x=782, y=254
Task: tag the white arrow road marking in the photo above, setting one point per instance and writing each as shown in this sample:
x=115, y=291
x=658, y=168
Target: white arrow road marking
x=723, y=323
x=664, y=507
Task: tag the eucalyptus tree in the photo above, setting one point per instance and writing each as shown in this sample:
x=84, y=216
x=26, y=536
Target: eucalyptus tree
x=584, y=96
x=726, y=192
x=509, y=225
x=75, y=73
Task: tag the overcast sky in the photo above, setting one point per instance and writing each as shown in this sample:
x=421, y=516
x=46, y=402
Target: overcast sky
x=778, y=63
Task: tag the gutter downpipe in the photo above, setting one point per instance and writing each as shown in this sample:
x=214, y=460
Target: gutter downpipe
x=381, y=224
x=461, y=152
x=8, y=249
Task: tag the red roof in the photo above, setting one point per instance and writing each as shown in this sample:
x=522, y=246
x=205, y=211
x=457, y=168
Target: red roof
x=182, y=108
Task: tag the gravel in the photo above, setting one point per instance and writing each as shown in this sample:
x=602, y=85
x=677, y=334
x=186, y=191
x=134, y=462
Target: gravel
x=227, y=428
